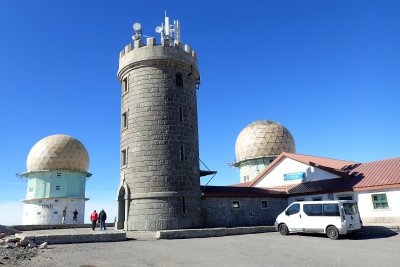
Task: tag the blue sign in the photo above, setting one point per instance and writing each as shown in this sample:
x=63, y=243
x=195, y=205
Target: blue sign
x=294, y=176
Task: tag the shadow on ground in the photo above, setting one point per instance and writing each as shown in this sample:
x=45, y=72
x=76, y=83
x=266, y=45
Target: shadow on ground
x=368, y=232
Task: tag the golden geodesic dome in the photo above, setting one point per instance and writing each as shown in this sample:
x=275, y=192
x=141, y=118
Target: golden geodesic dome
x=58, y=152
x=263, y=138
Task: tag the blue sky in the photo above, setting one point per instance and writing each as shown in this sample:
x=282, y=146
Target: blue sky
x=327, y=70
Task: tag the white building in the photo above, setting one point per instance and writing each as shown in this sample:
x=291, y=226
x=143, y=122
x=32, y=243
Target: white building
x=374, y=185
x=56, y=172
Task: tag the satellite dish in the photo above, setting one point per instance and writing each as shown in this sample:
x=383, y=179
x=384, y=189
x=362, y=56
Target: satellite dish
x=159, y=29
x=137, y=26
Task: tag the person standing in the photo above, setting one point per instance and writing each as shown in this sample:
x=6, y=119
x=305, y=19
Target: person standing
x=102, y=219
x=64, y=214
x=75, y=216
x=94, y=217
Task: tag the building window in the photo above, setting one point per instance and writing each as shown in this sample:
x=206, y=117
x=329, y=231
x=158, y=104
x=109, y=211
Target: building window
x=380, y=201
x=56, y=200
x=30, y=189
x=124, y=157
x=317, y=198
x=56, y=212
x=125, y=87
x=58, y=174
x=179, y=79
x=58, y=187
x=235, y=204
x=124, y=120
x=181, y=153
x=38, y=213
x=345, y=198
x=264, y=204
x=180, y=114
x=299, y=199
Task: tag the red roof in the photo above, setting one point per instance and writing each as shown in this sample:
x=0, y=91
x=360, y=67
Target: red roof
x=377, y=173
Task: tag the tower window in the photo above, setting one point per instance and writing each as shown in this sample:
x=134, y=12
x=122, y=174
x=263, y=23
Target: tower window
x=58, y=187
x=235, y=204
x=125, y=85
x=124, y=120
x=56, y=212
x=181, y=156
x=123, y=157
x=180, y=114
x=58, y=174
x=179, y=79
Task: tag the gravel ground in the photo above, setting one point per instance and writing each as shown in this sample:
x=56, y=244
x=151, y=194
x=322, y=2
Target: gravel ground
x=16, y=256
x=376, y=247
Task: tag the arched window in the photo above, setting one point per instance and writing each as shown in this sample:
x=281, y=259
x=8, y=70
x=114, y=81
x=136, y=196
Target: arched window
x=179, y=79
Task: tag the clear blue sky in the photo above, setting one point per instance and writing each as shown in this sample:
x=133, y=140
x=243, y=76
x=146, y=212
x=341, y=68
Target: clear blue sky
x=327, y=70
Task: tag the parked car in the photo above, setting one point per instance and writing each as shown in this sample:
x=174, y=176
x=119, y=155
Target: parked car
x=333, y=218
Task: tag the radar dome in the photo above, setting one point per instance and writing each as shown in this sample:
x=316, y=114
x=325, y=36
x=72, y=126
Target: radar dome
x=263, y=138
x=58, y=152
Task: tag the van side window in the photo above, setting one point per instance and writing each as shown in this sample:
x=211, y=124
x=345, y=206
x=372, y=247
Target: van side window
x=313, y=209
x=331, y=210
x=295, y=208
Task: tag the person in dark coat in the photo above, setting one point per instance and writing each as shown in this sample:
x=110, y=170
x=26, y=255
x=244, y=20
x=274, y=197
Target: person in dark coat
x=102, y=219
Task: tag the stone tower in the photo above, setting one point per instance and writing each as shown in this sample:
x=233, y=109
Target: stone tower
x=160, y=182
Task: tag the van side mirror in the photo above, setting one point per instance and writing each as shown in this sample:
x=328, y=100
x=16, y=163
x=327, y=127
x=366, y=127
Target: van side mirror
x=287, y=212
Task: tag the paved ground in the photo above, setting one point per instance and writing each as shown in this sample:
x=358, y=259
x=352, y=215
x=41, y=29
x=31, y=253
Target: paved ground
x=374, y=247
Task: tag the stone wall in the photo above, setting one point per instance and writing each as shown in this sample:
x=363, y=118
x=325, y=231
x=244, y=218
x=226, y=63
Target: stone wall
x=219, y=211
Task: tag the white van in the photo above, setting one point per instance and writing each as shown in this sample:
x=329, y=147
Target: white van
x=332, y=218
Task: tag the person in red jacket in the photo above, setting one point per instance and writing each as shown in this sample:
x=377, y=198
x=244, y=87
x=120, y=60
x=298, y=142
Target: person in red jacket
x=93, y=218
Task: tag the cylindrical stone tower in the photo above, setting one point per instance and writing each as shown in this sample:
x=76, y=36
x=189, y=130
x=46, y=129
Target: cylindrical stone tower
x=160, y=182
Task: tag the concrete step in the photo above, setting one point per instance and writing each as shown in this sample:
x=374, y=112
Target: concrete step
x=77, y=235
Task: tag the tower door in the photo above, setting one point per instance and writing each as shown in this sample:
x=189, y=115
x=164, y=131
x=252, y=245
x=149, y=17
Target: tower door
x=121, y=209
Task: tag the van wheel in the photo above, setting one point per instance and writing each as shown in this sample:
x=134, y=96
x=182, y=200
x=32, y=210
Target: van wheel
x=332, y=232
x=283, y=229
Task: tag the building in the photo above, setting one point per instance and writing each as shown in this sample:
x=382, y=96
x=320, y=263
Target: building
x=160, y=176
x=374, y=185
x=258, y=144
x=56, y=172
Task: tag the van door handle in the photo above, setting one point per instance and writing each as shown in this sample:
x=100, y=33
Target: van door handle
x=300, y=216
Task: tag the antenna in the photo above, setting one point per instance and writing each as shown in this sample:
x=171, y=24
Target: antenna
x=168, y=31
x=137, y=27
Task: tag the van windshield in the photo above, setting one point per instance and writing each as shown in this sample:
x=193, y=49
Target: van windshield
x=350, y=208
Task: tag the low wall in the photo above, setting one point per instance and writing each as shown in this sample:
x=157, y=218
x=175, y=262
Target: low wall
x=212, y=232
x=55, y=226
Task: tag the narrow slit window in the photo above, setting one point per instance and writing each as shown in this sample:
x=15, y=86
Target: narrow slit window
x=58, y=174
x=181, y=152
x=125, y=85
x=123, y=157
x=58, y=187
x=180, y=114
x=179, y=79
x=124, y=120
